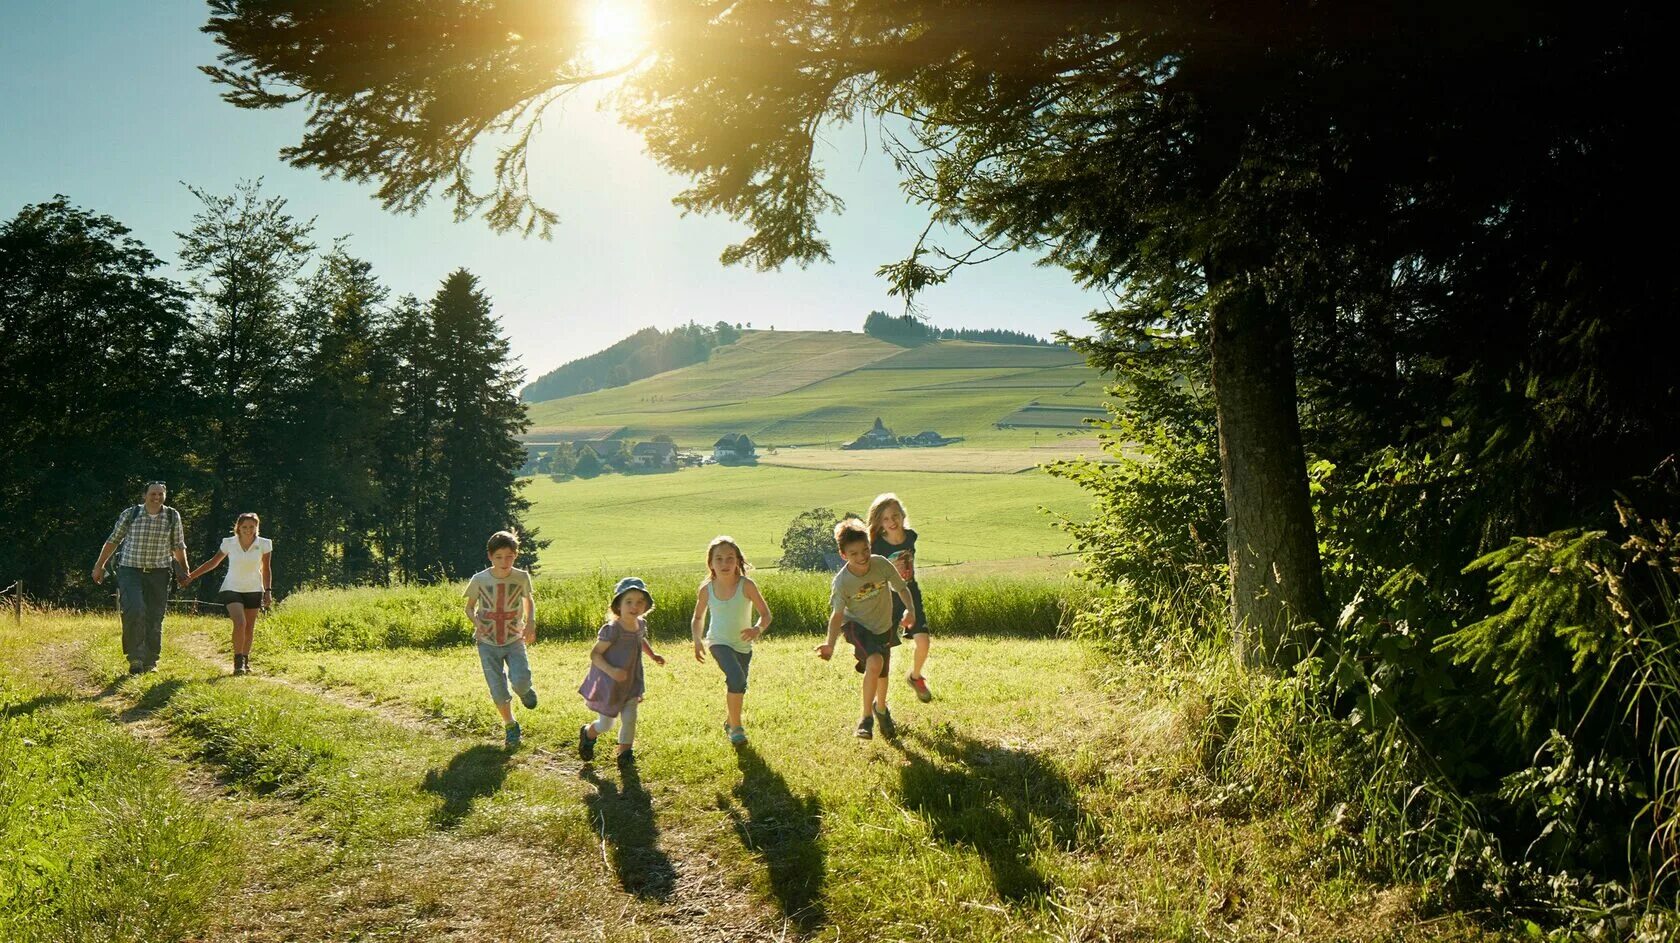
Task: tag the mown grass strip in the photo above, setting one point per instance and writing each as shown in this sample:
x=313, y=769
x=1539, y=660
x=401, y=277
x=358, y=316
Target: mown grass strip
x=97, y=840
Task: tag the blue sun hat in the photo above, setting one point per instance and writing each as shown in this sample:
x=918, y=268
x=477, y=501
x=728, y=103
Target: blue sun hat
x=629, y=583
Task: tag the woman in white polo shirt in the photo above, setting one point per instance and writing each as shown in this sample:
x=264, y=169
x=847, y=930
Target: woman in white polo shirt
x=248, y=586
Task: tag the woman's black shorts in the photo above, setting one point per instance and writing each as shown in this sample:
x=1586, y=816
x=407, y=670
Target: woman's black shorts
x=248, y=600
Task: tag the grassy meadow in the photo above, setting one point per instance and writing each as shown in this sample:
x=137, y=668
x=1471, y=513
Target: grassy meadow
x=355, y=788
x=822, y=388
x=646, y=521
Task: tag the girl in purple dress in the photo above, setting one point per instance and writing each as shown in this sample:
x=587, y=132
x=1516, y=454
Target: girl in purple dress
x=614, y=684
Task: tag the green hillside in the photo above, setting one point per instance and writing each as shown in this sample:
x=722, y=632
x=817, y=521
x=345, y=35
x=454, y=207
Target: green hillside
x=818, y=388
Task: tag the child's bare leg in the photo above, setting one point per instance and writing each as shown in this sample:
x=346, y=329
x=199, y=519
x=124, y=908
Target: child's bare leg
x=922, y=642
x=734, y=701
x=627, y=727
x=506, y=707
x=881, y=687
x=871, y=684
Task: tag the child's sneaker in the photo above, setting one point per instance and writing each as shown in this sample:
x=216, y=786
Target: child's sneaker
x=528, y=697
x=737, y=735
x=627, y=758
x=586, y=743
x=884, y=718
x=513, y=735
x=866, y=729
x=920, y=684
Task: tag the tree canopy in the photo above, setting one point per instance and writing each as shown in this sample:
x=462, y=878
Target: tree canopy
x=1324, y=196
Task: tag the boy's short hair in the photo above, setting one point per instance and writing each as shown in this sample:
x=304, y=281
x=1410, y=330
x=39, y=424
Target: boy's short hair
x=502, y=540
x=850, y=531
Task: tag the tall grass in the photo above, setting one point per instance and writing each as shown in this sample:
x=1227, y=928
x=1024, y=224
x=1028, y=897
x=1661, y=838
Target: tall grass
x=575, y=607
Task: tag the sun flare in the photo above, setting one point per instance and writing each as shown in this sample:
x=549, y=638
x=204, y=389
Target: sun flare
x=617, y=32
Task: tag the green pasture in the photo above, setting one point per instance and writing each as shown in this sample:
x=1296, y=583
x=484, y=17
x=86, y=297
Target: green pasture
x=359, y=790
x=629, y=522
x=816, y=388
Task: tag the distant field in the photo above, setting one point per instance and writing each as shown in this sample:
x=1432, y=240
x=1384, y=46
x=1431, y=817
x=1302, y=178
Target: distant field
x=812, y=388
x=1053, y=417
x=969, y=354
x=950, y=458
x=646, y=521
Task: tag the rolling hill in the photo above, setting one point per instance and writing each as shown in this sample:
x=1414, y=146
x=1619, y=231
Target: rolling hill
x=822, y=388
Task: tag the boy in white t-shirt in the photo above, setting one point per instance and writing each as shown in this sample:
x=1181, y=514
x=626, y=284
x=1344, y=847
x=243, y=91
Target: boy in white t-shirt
x=248, y=587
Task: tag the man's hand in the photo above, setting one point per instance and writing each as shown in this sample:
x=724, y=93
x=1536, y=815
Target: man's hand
x=98, y=575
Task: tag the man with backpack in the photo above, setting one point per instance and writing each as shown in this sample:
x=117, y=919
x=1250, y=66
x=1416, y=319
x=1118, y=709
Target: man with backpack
x=151, y=538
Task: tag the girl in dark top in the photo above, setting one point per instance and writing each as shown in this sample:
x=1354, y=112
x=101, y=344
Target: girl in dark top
x=890, y=536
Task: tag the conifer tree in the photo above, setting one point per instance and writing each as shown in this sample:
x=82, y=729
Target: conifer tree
x=477, y=423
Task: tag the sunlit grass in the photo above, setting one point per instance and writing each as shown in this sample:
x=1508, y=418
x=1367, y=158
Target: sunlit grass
x=1026, y=802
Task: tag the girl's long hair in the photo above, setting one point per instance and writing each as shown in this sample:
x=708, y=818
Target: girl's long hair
x=879, y=507
x=721, y=541
x=248, y=516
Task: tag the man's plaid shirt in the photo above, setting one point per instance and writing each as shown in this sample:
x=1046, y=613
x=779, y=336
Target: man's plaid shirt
x=149, y=540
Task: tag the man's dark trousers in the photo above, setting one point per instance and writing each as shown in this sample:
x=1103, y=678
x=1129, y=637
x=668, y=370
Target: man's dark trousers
x=143, y=594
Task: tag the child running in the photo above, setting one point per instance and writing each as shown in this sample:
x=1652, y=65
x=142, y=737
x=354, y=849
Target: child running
x=858, y=604
x=503, y=613
x=729, y=597
x=890, y=536
x=614, y=685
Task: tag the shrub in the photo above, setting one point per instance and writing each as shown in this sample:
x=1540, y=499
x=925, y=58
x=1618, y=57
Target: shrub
x=809, y=539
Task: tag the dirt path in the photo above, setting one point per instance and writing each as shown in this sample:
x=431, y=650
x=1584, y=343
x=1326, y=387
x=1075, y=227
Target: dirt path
x=698, y=898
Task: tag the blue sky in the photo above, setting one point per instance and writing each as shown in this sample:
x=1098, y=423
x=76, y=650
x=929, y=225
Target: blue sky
x=104, y=103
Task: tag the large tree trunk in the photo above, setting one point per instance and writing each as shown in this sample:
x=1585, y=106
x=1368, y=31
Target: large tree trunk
x=1277, y=588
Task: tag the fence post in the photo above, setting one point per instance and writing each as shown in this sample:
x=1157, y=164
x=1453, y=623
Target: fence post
x=17, y=602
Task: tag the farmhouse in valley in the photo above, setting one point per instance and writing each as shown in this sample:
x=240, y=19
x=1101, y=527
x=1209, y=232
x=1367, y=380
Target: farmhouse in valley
x=654, y=455
x=734, y=448
x=880, y=437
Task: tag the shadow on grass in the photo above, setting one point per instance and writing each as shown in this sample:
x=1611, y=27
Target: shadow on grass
x=39, y=702
x=623, y=816
x=473, y=773
x=784, y=830
x=1004, y=803
x=152, y=700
